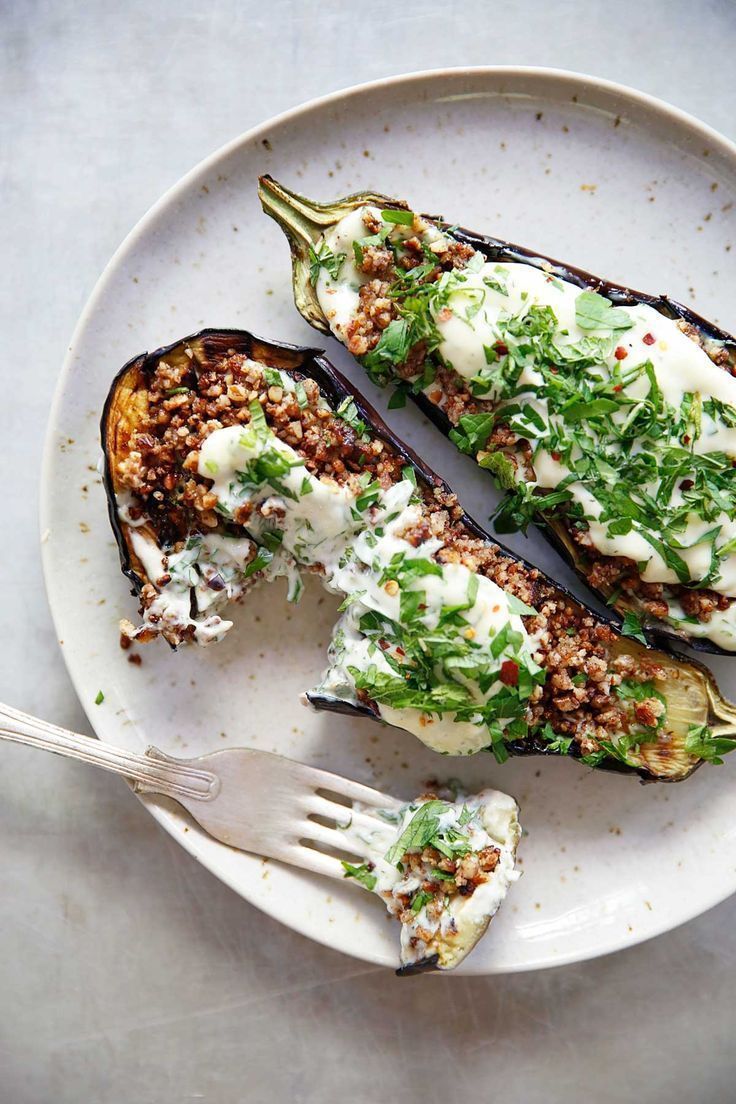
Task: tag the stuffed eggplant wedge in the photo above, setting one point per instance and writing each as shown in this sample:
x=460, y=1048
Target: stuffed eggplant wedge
x=607, y=416
x=442, y=865
x=229, y=460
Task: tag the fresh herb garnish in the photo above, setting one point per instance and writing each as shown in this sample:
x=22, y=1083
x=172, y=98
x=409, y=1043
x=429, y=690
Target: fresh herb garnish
x=632, y=626
x=261, y=560
x=702, y=743
x=360, y=873
x=595, y=312
x=323, y=257
x=399, y=218
x=348, y=412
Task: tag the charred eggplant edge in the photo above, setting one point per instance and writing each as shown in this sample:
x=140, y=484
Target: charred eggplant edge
x=306, y=222
x=311, y=363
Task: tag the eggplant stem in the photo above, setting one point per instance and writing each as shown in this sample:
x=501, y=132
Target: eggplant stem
x=304, y=221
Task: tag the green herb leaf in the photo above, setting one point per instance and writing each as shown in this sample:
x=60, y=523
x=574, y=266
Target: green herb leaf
x=472, y=432
x=595, y=312
x=261, y=559
x=419, y=831
x=632, y=626
x=323, y=257
x=348, y=412
x=398, y=399
x=399, y=218
x=392, y=349
x=701, y=743
x=517, y=606
x=361, y=874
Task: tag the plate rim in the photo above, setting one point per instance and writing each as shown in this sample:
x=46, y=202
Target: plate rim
x=167, y=818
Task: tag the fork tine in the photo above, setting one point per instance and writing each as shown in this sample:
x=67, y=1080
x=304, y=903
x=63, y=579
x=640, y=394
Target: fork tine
x=355, y=791
x=343, y=815
x=333, y=837
x=309, y=858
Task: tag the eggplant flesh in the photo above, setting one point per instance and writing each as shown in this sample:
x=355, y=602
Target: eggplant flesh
x=305, y=221
x=688, y=690
x=443, y=911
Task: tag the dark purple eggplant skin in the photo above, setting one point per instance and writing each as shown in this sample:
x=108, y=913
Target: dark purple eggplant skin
x=499, y=251
x=305, y=362
x=424, y=966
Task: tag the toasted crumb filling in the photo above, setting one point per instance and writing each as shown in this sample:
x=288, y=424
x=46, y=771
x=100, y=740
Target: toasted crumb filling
x=160, y=475
x=378, y=308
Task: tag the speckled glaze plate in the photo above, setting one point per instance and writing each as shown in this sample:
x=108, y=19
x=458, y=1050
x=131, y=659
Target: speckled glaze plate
x=581, y=169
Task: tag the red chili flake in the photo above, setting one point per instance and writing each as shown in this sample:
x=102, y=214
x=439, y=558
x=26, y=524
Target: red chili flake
x=686, y=438
x=383, y=645
x=554, y=370
x=687, y=485
x=649, y=339
x=618, y=387
x=500, y=348
x=509, y=672
x=556, y=456
x=400, y=651
x=620, y=353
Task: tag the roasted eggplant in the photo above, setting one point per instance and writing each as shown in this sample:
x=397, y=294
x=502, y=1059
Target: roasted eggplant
x=442, y=865
x=230, y=459
x=608, y=416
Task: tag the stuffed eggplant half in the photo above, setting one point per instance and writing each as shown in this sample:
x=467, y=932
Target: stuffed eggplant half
x=608, y=416
x=229, y=460
x=442, y=865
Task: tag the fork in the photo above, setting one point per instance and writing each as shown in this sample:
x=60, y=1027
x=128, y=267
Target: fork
x=251, y=800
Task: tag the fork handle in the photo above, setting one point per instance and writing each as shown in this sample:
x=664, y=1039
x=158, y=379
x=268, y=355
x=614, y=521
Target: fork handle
x=153, y=772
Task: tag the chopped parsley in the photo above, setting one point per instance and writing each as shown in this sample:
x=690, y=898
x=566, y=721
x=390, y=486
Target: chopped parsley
x=632, y=626
x=590, y=402
x=348, y=412
x=323, y=257
x=701, y=743
x=423, y=830
x=361, y=874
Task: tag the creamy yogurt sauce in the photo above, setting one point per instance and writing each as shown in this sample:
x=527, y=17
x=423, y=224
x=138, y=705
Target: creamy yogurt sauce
x=207, y=574
x=495, y=324
x=451, y=927
x=436, y=646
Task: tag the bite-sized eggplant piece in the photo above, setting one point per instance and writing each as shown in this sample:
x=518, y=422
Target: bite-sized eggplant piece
x=607, y=416
x=442, y=865
x=239, y=458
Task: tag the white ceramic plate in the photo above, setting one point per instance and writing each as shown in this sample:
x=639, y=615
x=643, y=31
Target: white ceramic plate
x=586, y=171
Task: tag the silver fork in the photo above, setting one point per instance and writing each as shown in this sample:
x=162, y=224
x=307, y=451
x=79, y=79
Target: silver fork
x=249, y=799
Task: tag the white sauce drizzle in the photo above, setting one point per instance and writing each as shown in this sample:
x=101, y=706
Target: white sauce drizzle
x=320, y=526
x=315, y=522
x=465, y=918
x=680, y=365
x=206, y=560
